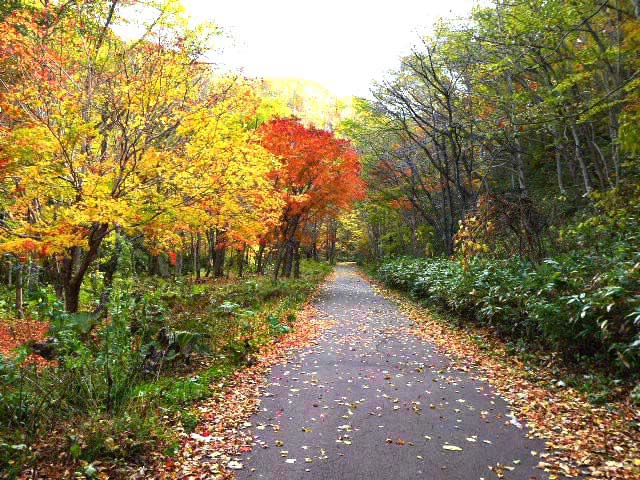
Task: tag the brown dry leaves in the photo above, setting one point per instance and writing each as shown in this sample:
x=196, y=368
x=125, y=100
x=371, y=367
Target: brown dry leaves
x=596, y=441
x=213, y=450
x=14, y=333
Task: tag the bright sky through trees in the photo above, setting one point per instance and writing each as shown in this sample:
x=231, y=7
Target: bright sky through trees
x=342, y=44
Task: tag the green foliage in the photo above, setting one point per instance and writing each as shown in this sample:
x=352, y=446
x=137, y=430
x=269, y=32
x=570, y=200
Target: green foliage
x=570, y=304
x=117, y=375
x=276, y=326
x=174, y=392
x=582, y=302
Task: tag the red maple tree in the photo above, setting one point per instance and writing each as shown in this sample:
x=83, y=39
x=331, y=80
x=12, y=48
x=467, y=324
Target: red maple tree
x=319, y=177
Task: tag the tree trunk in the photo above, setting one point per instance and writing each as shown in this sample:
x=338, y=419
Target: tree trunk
x=296, y=260
x=19, y=292
x=153, y=266
x=615, y=152
x=179, y=262
x=327, y=254
x=332, y=229
x=522, y=182
x=220, y=252
x=279, y=259
x=241, y=261
x=583, y=167
x=29, y=272
x=197, y=255
x=110, y=268
x=288, y=259
x=285, y=251
x=332, y=253
x=72, y=296
x=259, y=259
x=519, y=164
x=163, y=265
x=76, y=263
x=52, y=267
x=558, y=152
x=210, y=251
x=602, y=169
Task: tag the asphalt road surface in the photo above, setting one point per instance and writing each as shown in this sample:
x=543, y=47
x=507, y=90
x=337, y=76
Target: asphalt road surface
x=373, y=402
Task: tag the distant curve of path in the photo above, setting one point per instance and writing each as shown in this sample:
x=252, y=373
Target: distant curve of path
x=372, y=402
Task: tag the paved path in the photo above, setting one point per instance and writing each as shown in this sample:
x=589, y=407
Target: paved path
x=371, y=402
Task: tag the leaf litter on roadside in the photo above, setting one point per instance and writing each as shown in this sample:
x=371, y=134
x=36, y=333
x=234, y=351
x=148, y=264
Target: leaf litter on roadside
x=581, y=438
x=214, y=449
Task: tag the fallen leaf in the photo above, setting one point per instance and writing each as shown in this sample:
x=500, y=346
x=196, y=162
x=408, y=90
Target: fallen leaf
x=452, y=448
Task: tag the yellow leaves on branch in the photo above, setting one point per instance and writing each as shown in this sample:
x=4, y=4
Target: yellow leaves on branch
x=137, y=136
x=227, y=167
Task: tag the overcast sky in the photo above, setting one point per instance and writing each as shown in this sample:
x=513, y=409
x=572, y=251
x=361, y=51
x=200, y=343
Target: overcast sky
x=343, y=44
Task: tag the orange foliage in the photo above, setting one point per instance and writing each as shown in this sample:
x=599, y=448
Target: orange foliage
x=320, y=174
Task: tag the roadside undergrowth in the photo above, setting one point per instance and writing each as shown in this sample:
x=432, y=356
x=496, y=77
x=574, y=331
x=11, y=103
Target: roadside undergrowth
x=235, y=327
x=582, y=439
x=213, y=448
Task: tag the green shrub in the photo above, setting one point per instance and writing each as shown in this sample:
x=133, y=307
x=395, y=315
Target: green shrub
x=578, y=305
x=117, y=375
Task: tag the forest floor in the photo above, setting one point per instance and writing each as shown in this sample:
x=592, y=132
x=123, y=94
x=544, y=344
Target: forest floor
x=14, y=333
x=379, y=395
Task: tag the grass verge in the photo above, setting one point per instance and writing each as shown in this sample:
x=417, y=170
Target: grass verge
x=109, y=403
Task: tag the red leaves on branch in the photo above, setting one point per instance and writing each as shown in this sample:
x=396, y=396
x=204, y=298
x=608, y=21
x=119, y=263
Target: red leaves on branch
x=319, y=171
